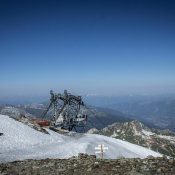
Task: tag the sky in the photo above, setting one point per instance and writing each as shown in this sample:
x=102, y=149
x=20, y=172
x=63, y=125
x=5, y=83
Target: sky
x=88, y=47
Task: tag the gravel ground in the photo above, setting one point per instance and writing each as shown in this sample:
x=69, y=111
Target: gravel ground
x=89, y=165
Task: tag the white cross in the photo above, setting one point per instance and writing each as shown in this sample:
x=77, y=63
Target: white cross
x=101, y=149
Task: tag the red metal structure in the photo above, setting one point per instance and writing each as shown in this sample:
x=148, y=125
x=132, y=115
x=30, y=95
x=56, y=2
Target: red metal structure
x=42, y=122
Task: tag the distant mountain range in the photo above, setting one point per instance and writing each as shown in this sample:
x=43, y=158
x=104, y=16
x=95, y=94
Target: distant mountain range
x=136, y=132
x=156, y=111
x=159, y=113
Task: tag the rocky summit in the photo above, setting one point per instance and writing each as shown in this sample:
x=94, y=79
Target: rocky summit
x=88, y=165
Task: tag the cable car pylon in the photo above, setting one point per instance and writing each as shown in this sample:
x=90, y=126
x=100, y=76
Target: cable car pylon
x=67, y=111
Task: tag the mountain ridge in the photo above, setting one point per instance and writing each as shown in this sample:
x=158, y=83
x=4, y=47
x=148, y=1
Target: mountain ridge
x=137, y=133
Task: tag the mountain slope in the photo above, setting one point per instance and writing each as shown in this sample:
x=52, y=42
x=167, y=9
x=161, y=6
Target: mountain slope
x=135, y=132
x=102, y=117
x=97, y=117
x=20, y=142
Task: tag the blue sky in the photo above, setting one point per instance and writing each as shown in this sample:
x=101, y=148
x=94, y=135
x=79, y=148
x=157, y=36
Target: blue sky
x=93, y=46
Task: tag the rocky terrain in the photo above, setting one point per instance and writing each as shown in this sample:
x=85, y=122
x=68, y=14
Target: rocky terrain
x=135, y=132
x=88, y=165
x=14, y=111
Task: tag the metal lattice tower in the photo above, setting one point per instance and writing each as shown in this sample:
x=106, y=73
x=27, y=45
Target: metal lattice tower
x=67, y=111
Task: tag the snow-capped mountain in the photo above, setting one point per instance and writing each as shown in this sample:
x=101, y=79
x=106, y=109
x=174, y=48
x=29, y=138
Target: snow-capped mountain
x=135, y=132
x=20, y=142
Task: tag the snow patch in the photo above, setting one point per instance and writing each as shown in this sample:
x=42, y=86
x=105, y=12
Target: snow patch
x=147, y=133
x=171, y=138
x=114, y=134
x=21, y=142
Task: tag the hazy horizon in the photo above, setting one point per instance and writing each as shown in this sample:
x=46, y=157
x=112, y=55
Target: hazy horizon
x=87, y=47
